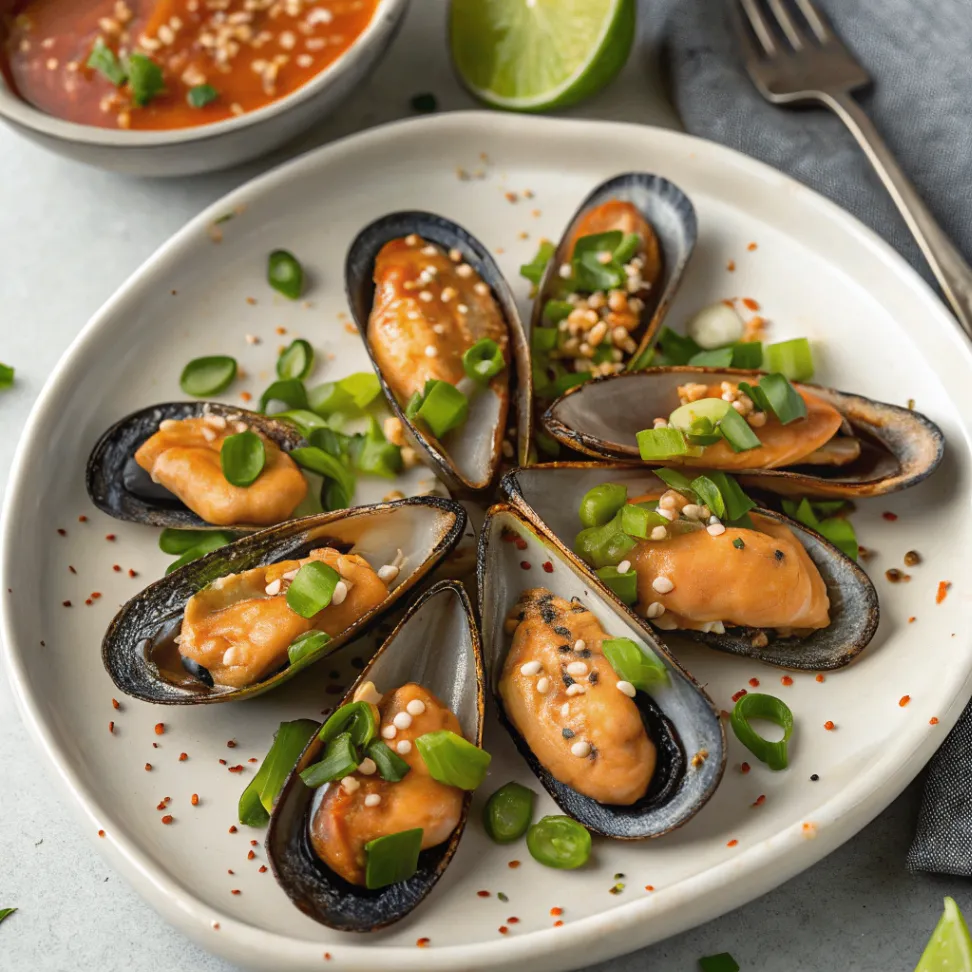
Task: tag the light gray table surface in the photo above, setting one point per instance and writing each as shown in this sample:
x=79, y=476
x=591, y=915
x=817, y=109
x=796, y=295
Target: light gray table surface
x=68, y=237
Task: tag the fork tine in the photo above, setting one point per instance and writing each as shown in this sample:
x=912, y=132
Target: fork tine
x=760, y=26
x=815, y=19
x=787, y=24
x=752, y=52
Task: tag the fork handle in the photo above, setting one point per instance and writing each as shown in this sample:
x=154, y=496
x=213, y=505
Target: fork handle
x=950, y=269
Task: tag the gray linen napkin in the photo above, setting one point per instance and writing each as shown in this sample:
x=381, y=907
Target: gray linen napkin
x=918, y=53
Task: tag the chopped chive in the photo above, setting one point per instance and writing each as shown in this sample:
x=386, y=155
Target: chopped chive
x=638, y=521
x=716, y=358
x=144, y=78
x=543, y=340
x=600, y=504
x=258, y=798
x=296, y=360
x=210, y=541
x=443, y=408
x=655, y=444
x=203, y=377
x=785, y=401
x=738, y=543
x=372, y=454
x=792, y=359
x=710, y=494
x=340, y=760
x=747, y=354
x=559, y=841
x=105, y=61
x=623, y=586
x=634, y=663
x=677, y=481
x=771, y=709
x=307, y=644
x=306, y=421
x=737, y=432
x=838, y=530
x=676, y=348
x=242, y=458
x=6, y=376
x=311, y=590
x=605, y=545
x=334, y=443
x=351, y=394
x=509, y=812
x=200, y=95
x=452, y=760
x=738, y=504
x=392, y=859
x=425, y=103
x=285, y=274
x=533, y=271
x=290, y=391
x=391, y=766
x=356, y=718
x=332, y=469
x=484, y=360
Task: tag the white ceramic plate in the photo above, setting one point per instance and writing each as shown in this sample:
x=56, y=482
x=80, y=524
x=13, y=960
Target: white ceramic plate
x=878, y=330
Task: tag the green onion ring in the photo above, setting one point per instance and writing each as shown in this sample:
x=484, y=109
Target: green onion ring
x=759, y=706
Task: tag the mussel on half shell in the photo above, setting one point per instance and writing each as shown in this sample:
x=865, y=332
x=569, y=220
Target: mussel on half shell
x=552, y=493
x=678, y=716
x=139, y=649
x=453, y=672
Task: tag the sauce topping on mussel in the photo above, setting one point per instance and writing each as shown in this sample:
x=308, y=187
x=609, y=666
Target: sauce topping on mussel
x=363, y=806
x=239, y=628
x=574, y=712
x=184, y=457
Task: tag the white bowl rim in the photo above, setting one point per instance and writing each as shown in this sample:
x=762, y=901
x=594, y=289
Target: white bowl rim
x=14, y=109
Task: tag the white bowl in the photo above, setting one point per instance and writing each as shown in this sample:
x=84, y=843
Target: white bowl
x=187, y=151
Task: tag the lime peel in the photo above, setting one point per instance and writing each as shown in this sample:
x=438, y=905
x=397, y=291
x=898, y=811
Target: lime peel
x=950, y=947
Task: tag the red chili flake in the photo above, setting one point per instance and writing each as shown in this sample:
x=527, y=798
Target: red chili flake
x=556, y=912
x=116, y=568
x=751, y=247
x=482, y=894
x=235, y=769
x=194, y=799
x=235, y=891
x=215, y=923
x=245, y=396
x=281, y=330
x=231, y=744
x=65, y=603
x=148, y=766
x=132, y=573
x=70, y=568
x=520, y=543
x=101, y=833
x=649, y=887
x=253, y=843
x=183, y=757
x=511, y=197
x=263, y=868
x=232, y=829
x=754, y=682
x=732, y=843
x=912, y=619
x=82, y=519
x=820, y=677
x=750, y=304
x=548, y=567
x=109, y=537
x=167, y=819
x=115, y=704
x=111, y=726
x=327, y=956
x=230, y=871
x=513, y=864
x=250, y=855
x=760, y=800
x=61, y=532
x=503, y=929
x=161, y=805
x=253, y=759
x=96, y=594
x=222, y=762
x=251, y=300
x=744, y=768
x=786, y=680
x=943, y=587
x=513, y=920
x=524, y=565
x=933, y=721
x=89, y=602
x=159, y=728
x=558, y=924
x=727, y=301
x=731, y=266
x=904, y=700
x=423, y=942
x=889, y=516
x=739, y=695
x=829, y=726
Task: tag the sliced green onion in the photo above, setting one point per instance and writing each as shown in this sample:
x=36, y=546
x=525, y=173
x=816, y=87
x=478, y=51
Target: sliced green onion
x=105, y=61
x=838, y=530
x=200, y=95
x=558, y=841
x=627, y=248
x=591, y=275
x=363, y=387
x=634, y=663
x=443, y=408
x=716, y=358
x=785, y=401
x=623, y=586
x=605, y=545
x=144, y=78
x=372, y=454
x=392, y=859
x=739, y=543
x=723, y=962
x=792, y=359
x=543, y=339
x=305, y=420
x=676, y=480
x=312, y=588
x=173, y=541
x=756, y=394
x=554, y=311
x=656, y=444
x=340, y=760
x=509, y=812
x=638, y=521
x=290, y=391
x=335, y=496
x=289, y=741
x=758, y=706
x=686, y=417
x=6, y=376
x=210, y=540
x=320, y=462
x=306, y=645
x=242, y=457
x=285, y=274
x=357, y=718
x=203, y=377
x=600, y=504
x=641, y=360
x=484, y=360
x=747, y=354
x=563, y=383
x=709, y=493
x=738, y=504
x=676, y=348
x=738, y=433
x=453, y=760
x=296, y=360
x=391, y=766
x=335, y=444
x=327, y=398
x=533, y=271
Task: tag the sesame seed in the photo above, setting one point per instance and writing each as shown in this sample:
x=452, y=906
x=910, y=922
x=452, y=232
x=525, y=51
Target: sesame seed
x=350, y=784
x=581, y=749
x=655, y=610
x=668, y=514
x=580, y=644
x=626, y=688
x=403, y=746
x=625, y=565
x=367, y=767
x=481, y=288
x=340, y=592
x=389, y=732
x=464, y=270
x=565, y=710
x=663, y=585
x=402, y=720
x=543, y=685
x=372, y=800
x=577, y=668
x=531, y=668
x=412, y=239
x=388, y=572
x=431, y=351
x=715, y=529
x=462, y=308
x=659, y=533
x=564, y=271
x=575, y=689
x=416, y=707
x=273, y=588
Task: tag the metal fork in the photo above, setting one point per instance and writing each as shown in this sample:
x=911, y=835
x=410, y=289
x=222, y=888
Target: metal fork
x=792, y=56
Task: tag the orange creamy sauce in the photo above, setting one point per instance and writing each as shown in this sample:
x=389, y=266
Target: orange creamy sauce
x=253, y=52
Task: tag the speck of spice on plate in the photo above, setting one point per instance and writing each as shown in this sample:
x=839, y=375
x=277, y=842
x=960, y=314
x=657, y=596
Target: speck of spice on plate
x=739, y=695
x=754, y=682
x=513, y=864
x=943, y=588
x=819, y=677
x=111, y=726
x=263, y=868
x=250, y=855
x=101, y=833
x=423, y=942
x=167, y=819
x=912, y=558
x=904, y=700
x=115, y=704
x=889, y=516
x=183, y=757
x=744, y=768
x=829, y=726
x=159, y=728
x=731, y=266
x=194, y=799
x=482, y=894
x=933, y=721
x=786, y=680
x=814, y=777
x=232, y=828
x=502, y=897
x=732, y=843
x=760, y=800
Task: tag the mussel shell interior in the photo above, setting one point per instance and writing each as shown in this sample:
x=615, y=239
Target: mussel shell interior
x=553, y=493
x=120, y=487
x=138, y=649
x=474, y=452
x=441, y=617
x=680, y=718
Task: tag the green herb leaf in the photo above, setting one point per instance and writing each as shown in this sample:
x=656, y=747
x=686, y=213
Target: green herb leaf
x=210, y=540
x=678, y=481
x=533, y=271
x=597, y=243
x=373, y=455
x=738, y=543
x=176, y=542
x=144, y=78
x=201, y=95
x=258, y=798
x=717, y=358
x=738, y=504
x=623, y=586
x=391, y=766
x=709, y=493
x=555, y=311
x=290, y=391
x=838, y=530
x=6, y=912
x=296, y=360
x=634, y=663
x=204, y=377
x=285, y=274
x=738, y=432
x=676, y=348
x=306, y=645
x=393, y=858
x=356, y=718
x=453, y=760
x=627, y=248
x=363, y=387
x=340, y=760
x=747, y=354
x=311, y=590
x=784, y=400
x=591, y=275
x=307, y=422
x=642, y=359
x=105, y=61
x=333, y=469
x=443, y=408
x=242, y=458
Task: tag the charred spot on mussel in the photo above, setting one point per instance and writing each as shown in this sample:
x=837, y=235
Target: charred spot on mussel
x=197, y=671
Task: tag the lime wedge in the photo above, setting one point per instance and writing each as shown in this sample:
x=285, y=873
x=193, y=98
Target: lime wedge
x=950, y=947
x=531, y=55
